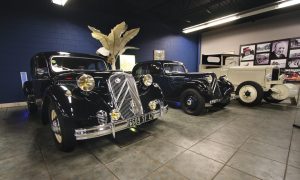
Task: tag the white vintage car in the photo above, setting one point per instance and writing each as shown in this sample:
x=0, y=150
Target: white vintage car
x=252, y=83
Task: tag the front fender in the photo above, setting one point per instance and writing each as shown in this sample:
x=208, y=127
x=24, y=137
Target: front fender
x=152, y=92
x=80, y=105
x=199, y=85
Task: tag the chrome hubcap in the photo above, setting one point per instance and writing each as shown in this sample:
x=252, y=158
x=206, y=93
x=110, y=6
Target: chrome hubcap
x=248, y=93
x=55, y=126
x=189, y=102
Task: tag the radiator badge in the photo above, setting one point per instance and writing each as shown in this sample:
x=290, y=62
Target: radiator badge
x=118, y=80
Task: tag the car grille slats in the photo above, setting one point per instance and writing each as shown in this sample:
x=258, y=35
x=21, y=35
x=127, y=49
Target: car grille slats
x=215, y=88
x=125, y=95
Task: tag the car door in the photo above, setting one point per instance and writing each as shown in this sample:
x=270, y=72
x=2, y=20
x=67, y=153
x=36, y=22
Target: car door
x=41, y=78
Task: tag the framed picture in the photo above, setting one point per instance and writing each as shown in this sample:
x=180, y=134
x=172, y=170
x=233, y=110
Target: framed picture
x=295, y=53
x=247, y=63
x=159, y=55
x=247, y=52
x=263, y=47
x=262, y=59
x=281, y=63
x=295, y=43
x=293, y=63
x=279, y=49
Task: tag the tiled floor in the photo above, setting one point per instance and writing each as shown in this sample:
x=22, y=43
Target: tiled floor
x=233, y=143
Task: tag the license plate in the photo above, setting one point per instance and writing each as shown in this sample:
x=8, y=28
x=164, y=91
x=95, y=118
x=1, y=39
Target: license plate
x=142, y=119
x=215, y=101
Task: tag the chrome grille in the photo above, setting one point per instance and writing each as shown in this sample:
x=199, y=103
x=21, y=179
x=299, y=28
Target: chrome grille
x=215, y=87
x=125, y=95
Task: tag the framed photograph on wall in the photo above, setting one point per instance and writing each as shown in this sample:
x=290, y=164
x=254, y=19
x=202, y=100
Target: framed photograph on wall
x=293, y=63
x=262, y=59
x=263, y=47
x=281, y=63
x=247, y=52
x=295, y=43
x=294, y=53
x=279, y=49
x=159, y=55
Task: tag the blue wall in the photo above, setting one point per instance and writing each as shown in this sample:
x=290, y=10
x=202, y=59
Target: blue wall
x=22, y=34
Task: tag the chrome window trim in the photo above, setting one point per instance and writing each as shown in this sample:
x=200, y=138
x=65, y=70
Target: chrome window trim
x=51, y=58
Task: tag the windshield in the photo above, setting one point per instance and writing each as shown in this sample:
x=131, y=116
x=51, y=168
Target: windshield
x=174, y=68
x=61, y=64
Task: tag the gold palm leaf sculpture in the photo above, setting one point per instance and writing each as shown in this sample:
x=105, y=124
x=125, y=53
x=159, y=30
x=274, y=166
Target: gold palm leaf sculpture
x=114, y=44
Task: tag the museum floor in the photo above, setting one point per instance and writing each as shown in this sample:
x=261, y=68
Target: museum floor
x=234, y=143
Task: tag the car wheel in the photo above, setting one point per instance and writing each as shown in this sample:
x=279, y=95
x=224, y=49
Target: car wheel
x=249, y=93
x=62, y=130
x=192, y=102
x=268, y=98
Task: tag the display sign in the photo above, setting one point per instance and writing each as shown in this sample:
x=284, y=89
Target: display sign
x=127, y=62
x=23, y=77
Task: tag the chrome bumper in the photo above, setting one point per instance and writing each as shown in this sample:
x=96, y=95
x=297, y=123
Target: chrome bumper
x=111, y=128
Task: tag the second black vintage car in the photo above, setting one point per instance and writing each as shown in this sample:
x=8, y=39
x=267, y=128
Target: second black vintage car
x=81, y=99
x=193, y=90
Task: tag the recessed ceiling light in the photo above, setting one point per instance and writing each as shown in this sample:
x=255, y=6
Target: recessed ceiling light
x=60, y=2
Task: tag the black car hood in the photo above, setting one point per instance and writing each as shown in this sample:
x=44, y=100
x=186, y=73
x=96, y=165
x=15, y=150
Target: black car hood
x=70, y=79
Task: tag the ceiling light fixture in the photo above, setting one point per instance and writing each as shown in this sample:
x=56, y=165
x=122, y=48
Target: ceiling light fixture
x=60, y=2
x=287, y=3
x=234, y=17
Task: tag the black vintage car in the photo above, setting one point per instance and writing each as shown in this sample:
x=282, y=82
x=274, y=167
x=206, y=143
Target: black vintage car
x=193, y=90
x=82, y=99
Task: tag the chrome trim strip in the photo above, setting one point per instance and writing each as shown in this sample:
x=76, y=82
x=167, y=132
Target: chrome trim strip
x=98, y=131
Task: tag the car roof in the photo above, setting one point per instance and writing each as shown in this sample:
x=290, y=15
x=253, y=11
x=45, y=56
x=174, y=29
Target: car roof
x=49, y=54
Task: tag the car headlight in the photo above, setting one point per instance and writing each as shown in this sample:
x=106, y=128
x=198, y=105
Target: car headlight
x=86, y=82
x=147, y=80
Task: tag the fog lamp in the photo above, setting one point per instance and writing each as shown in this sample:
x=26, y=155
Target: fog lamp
x=115, y=115
x=101, y=117
x=152, y=105
x=147, y=80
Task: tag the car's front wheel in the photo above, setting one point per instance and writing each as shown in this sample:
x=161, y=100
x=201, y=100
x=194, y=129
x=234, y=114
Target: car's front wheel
x=62, y=130
x=192, y=102
x=249, y=93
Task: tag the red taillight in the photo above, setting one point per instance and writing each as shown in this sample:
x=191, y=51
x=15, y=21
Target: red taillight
x=68, y=78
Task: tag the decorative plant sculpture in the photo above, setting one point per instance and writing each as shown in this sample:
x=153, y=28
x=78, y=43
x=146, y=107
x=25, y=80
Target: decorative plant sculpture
x=114, y=44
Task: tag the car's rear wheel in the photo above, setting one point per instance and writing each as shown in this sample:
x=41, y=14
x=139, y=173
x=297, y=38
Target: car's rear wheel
x=249, y=93
x=192, y=102
x=62, y=130
x=268, y=98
